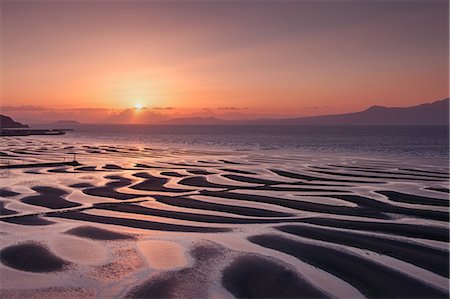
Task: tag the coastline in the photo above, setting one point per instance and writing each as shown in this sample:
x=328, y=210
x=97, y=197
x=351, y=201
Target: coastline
x=411, y=144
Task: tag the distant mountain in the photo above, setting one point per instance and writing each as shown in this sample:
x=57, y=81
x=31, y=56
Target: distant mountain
x=195, y=121
x=436, y=113
x=66, y=122
x=8, y=122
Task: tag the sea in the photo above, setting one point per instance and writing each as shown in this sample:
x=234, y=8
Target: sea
x=429, y=144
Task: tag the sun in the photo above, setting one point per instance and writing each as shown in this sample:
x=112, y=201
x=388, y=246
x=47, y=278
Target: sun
x=138, y=106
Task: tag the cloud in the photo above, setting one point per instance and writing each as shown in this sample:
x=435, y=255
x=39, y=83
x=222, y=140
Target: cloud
x=42, y=108
x=23, y=108
x=133, y=116
x=315, y=107
x=40, y=114
x=163, y=108
x=86, y=109
x=232, y=108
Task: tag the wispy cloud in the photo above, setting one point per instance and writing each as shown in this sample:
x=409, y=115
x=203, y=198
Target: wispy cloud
x=23, y=108
x=163, y=108
x=231, y=108
x=315, y=107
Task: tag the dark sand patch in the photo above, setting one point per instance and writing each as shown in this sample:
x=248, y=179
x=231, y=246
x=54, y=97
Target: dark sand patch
x=272, y=185
x=145, y=175
x=5, y=211
x=152, y=183
x=305, y=177
x=251, y=180
x=136, y=209
x=426, y=257
x=200, y=172
x=7, y=193
x=252, y=276
x=116, y=167
x=61, y=170
x=300, y=205
x=207, y=162
x=231, y=162
x=50, y=198
x=202, y=182
x=96, y=233
x=118, y=181
x=346, y=166
x=173, y=174
x=408, y=230
x=88, y=168
x=23, y=152
x=187, y=202
x=28, y=220
x=112, y=150
x=33, y=172
x=32, y=257
x=109, y=189
x=372, y=279
x=414, y=199
x=112, y=166
x=445, y=174
x=110, y=193
x=418, y=175
x=3, y=154
x=237, y=171
x=186, y=165
x=390, y=177
x=81, y=185
x=150, y=225
x=299, y=189
x=140, y=165
x=443, y=190
x=93, y=151
x=373, y=204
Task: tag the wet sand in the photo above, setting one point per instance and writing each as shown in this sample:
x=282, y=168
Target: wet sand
x=370, y=278
x=137, y=222
x=98, y=233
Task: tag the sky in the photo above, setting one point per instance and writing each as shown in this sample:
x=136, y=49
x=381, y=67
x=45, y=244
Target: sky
x=95, y=61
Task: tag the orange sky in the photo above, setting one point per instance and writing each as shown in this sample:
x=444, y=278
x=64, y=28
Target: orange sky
x=92, y=60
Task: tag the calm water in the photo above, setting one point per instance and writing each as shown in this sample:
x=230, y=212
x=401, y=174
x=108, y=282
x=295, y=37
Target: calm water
x=428, y=142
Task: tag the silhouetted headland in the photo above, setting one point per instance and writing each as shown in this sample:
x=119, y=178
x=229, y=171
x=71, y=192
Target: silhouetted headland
x=9, y=127
x=8, y=122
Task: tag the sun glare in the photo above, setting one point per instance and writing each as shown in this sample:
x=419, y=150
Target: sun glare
x=138, y=106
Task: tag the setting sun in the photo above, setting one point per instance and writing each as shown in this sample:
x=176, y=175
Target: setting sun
x=138, y=106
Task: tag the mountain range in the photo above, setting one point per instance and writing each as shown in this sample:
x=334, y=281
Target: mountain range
x=435, y=113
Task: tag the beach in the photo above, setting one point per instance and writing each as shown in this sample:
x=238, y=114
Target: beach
x=136, y=221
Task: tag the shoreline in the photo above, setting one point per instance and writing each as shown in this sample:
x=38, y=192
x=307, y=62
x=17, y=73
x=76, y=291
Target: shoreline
x=220, y=149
